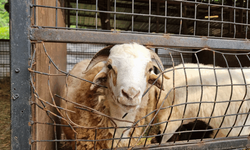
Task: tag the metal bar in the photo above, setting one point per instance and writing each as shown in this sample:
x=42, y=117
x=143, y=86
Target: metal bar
x=246, y=20
x=68, y=14
x=234, y=18
x=20, y=76
x=166, y=13
x=243, y=99
x=157, y=19
x=201, y=97
x=96, y=18
x=114, y=15
x=133, y=10
x=225, y=144
x=215, y=97
x=151, y=146
x=56, y=12
x=76, y=13
x=208, y=24
x=149, y=18
x=221, y=34
x=185, y=107
x=248, y=110
x=173, y=99
x=165, y=40
x=34, y=13
x=181, y=19
x=230, y=97
x=195, y=14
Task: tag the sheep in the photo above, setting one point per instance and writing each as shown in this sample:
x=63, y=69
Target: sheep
x=127, y=72
x=200, y=125
x=185, y=86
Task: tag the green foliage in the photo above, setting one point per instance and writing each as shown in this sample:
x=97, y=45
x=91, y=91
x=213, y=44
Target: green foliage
x=4, y=21
x=4, y=32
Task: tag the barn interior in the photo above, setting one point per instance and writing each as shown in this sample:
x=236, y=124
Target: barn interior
x=201, y=18
x=215, y=19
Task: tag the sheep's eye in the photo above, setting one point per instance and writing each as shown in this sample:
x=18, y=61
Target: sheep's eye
x=109, y=66
x=150, y=69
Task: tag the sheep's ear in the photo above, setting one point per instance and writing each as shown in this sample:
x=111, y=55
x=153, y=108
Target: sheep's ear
x=158, y=82
x=100, y=79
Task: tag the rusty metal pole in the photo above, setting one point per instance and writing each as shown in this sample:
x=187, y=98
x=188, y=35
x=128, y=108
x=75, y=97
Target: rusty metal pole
x=20, y=77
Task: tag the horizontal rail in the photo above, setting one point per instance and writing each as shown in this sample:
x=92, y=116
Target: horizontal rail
x=201, y=145
x=164, y=40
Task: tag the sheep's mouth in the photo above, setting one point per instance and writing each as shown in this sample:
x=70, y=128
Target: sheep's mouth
x=127, y=106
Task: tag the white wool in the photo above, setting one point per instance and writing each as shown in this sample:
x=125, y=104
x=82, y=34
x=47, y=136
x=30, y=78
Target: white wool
x=132, y=50
x=206, y=94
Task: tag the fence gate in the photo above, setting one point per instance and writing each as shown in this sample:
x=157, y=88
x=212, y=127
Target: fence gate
x=180, y=31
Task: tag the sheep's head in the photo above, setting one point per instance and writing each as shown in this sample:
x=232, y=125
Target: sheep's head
x=127, y=72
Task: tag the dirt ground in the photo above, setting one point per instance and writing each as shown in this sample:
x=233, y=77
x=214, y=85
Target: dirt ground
x=5, y=114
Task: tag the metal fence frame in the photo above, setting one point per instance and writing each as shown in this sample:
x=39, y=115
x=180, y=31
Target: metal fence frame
x=20, y=76
x=152, y=40
x=22, y=34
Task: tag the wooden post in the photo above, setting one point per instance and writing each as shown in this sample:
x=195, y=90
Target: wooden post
x=58, y=52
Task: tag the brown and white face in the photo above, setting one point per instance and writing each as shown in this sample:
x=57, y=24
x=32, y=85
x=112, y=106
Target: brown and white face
x=128, y=71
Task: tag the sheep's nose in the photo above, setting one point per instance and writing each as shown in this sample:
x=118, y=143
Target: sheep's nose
x=131, y=93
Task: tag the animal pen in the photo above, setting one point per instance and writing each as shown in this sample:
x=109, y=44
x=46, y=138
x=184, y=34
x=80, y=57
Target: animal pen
x=49, y=37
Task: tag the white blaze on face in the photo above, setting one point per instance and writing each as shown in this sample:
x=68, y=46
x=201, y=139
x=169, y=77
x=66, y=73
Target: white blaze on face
x=130, y=61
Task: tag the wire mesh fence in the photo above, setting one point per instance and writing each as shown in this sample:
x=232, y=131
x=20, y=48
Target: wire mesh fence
x=211, y=18
x=199, y=103
x=78, y=52
x=4, y=59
